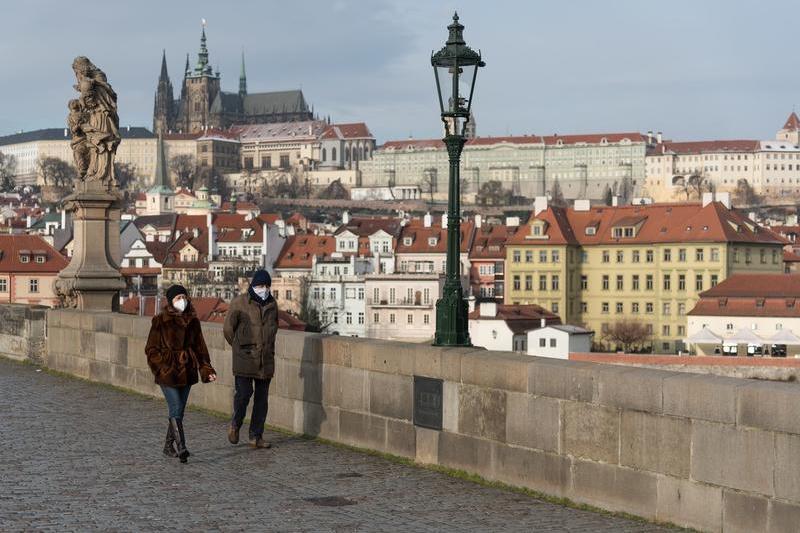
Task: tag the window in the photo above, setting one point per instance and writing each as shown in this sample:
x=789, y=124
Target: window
x=554, y=282
x=606, y=256
x=552, y=343
x=681, y=282
x=410, y=318
x=698, y=255
x=729, y=326
x=515, y=256
x=648, y=283
x=605, y=307
x=324, y=154
x=667, y=282
x=376, y=295
x=620, y=256
x=542, y=343
x=543, y=256
x=635, y=282
x=3, y=285
x=714, y=280
x=348, y=317
x=584, y=282
x=605, y=282
x=426, y=319
x=391, y=318
x=648, y=308
x=554, y=307
x=681, y=330
x=635, y=256
x=584, y=307
x=649, y=256
x=698, y=282
x=376, y=318
x=516, y=282
x=529, y=256
x=40, y=259
x=682, y=255
x=542, y=282
x=333, y=154
x=666, y=309
x=715, y=254
x=529, y=283
x=361, y=293
x=619, y=283
x=665, y=330
x=763, y=256
x=619, y=307
x=392, y=295
x=667, y=255
x=774, y=257
x=681, y=309
x=555, y=256
x=635, y=308
x=24, y=259
x=33, y=285
x=284, y=161
x=332, y=293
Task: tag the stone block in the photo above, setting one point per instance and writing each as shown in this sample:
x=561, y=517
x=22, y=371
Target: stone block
x=389, y=357
x=100, y=371
x=701, y=396
x=212, y=334
x=719, y=452
x=401, y=439
x=136, y=357
x=344, y=387
x=533, y=421
x=427, y=446
x=141, y=326
x=87, y=320
x=303, y=381
x=71, y=339
x=533, y=469
x=310, y=418
x=71, y=319
x=745, y=513
x=122, y=325
x=782, y=517
x=787, y=466
x=655, y=443
x=55, y=338
x=281, y=412
x=615, y=488
x=557, y=378
x=106, y=344
x=119, y=355
x=299, y=346
x=122, y=376
x=391, y=395
x=496, y=370
x=590, y=431
x=769, y=405
x=103, y=322
x=87, y=344
x=482, y=412
x=631, y=388
x=689, y=504
x=450, y=401
x=466, y=453
x=362, y=430
x=441, y=361
x=53, y=318
x=337, y=350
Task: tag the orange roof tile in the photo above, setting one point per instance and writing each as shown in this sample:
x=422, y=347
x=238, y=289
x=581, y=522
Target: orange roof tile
x=298, y=250
x=15, y=246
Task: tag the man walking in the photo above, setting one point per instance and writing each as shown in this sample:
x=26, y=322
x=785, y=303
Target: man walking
x=250, y=328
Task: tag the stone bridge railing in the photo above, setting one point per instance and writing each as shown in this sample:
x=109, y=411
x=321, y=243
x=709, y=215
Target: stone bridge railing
x=707, y=452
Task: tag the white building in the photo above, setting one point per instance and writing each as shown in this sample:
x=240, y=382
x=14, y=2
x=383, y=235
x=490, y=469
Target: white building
x=402, y=306
x=505, y=327
x=558, y=341
x=337, y=291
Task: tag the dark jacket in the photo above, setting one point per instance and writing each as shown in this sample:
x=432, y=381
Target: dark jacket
x=176, y=350
x=250, y=329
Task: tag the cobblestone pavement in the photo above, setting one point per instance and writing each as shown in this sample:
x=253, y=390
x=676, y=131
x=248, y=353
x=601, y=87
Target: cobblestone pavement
x=75, y=456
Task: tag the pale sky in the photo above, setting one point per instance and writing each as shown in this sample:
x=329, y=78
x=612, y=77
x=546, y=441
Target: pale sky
x=690, y=68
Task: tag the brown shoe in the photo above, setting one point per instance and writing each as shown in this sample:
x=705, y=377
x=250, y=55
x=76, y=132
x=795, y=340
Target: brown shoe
x=233, y=434
x=260, y=442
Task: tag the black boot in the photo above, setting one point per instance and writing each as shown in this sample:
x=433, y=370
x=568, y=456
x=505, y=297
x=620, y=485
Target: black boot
x=169, y=450
x=180, y=443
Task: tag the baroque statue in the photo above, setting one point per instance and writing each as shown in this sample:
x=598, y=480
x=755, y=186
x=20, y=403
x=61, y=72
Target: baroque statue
x=94, y=124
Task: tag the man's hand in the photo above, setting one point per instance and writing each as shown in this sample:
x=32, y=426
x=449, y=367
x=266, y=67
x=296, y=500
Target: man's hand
x=212, y=377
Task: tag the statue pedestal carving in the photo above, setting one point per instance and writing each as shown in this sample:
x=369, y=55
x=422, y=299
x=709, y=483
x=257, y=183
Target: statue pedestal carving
x=92, y=281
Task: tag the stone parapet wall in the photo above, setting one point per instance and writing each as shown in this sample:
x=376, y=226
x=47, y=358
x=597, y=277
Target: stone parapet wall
x=22, y=332
x=709, y=452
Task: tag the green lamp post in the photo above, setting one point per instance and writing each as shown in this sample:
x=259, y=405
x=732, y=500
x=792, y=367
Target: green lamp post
x=455, y=67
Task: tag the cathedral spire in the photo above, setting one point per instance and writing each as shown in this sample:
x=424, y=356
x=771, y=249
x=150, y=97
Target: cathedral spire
x=203, y=67
x=163, y=76
x=242, y=78
x=186, y=70
x=163, y=106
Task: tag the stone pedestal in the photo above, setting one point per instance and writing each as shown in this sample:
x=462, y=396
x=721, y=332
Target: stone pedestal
x=92, y=281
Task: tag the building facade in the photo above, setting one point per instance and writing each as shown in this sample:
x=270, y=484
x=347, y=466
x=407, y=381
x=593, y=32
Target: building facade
x=28, y=269
x=402, y=306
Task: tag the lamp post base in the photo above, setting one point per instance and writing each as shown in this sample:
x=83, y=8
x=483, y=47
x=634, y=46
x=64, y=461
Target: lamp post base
x=452, y=320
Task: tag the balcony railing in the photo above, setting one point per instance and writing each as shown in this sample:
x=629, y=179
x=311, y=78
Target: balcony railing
x=399, y=302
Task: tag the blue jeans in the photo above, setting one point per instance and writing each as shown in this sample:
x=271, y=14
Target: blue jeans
x=176, y=400
x=243, y=390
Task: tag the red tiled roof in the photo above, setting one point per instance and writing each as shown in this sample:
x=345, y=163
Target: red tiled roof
x=790, y=257
x=757, y=286
x=519, y=318
x=419, y=234
x=355, y=130
x=685, y=222
x=594, y=138
x=792, y=123
x=269, y=218
x=490, y=241
x=13, y=246
x=364, y=227
x=298, y=250
x=763, y=307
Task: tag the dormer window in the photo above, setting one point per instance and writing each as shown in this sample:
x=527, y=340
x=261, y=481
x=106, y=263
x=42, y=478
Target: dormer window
x=537, y=230
x=40, y=259
x=432, y=241
x=407, y=241
x=24, y=259
x=590, y=230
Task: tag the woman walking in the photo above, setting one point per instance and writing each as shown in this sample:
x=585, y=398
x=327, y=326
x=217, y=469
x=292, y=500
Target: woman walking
x=176, y=352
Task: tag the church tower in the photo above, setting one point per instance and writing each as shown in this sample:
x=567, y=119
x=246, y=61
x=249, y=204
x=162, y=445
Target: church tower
x=242, y=80
x=201, y=89
x=791, y=130
x=164, y=105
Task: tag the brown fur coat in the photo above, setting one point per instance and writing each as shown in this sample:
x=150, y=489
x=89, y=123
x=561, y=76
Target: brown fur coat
x=176, y=350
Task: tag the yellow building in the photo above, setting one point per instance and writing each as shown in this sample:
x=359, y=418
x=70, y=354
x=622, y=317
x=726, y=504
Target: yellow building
x=597, y=266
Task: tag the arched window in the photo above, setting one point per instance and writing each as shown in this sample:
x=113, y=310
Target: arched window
x=333, y=154
x=324, y=154
x=360, y=153
x=347, y=154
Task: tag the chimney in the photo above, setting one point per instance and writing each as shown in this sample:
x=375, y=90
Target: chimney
x=66, y=132
x=427, y=220
x=444, y=220
x=210, y=227
x=512, y=222
x=478, y=221
x=615, y=201
x=471, y=303
x=542, y=322
x=28, y=221
x=724, y=198
x=708, y=197
x=658, y=137
x=345, y=217
x=488, y=309
x=539, y=205
x=63, y=219
x=582, y=205
x=281, y=227
x=649, y=136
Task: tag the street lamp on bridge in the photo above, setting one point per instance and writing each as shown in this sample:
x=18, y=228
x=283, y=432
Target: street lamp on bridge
x=455, y=67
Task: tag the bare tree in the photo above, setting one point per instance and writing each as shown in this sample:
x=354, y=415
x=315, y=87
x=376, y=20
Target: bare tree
x=308, y=310
x=493, y=193
x=556, y=195
x=125, y=173
x=744, y=195
x=185, y=170
x=628, y=333
x=692, y=185
x=56, y=172
x=428, y=183
x=8, y=169
x=334, y=191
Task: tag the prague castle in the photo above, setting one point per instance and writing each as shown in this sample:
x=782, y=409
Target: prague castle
x=203, y=104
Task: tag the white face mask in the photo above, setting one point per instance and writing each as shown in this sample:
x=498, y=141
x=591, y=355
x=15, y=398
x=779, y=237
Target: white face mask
x=179, y=305
x=261, y=292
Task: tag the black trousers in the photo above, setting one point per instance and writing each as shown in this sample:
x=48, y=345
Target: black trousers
x=243, y=390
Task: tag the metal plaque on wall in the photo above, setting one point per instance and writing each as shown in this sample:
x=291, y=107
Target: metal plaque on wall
x=428, y=402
